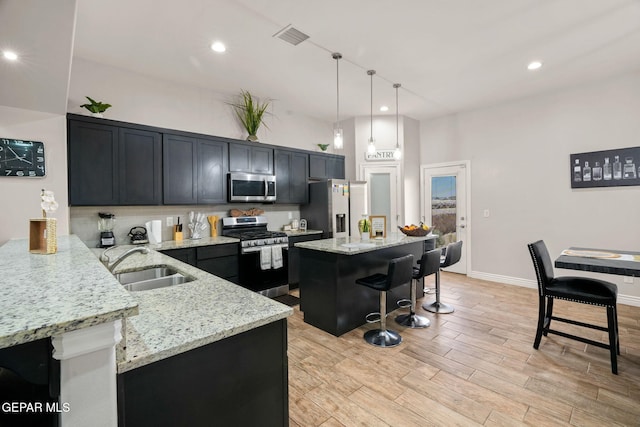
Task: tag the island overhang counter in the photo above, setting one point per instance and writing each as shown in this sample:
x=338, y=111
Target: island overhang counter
x=329, y=296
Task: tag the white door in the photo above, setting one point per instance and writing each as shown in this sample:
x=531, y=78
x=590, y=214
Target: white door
x=384, y=190
x=444, y=206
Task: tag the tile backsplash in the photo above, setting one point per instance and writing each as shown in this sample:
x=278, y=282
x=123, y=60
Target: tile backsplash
x=84, y=219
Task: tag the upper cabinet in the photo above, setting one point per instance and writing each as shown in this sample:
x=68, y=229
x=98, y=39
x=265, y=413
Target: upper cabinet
x=179, y=170
x=109, y=165
x=250, y=158
x=326, y=166
x=292, y=171
x=212, y=171
x=115, y=163
x=194, y=170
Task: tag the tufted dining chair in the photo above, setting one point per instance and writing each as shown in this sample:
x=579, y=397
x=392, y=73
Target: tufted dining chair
x=576, y=289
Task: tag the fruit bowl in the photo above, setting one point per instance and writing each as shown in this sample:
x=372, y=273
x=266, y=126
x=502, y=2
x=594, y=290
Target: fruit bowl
x=416, y=232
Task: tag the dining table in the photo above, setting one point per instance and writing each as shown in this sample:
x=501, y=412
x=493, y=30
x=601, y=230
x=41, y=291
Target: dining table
x=608, y=261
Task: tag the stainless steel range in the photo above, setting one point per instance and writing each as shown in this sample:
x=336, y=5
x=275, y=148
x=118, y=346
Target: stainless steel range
x=263, y=262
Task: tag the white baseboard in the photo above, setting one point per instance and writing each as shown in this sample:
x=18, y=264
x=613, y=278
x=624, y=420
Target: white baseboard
x=527, y=283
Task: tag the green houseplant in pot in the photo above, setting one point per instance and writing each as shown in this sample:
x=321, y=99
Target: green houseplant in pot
x=250, y=112
x=95, y=107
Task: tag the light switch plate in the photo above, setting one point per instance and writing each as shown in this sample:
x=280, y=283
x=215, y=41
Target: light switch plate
x=628, y=280
x=486, y=213
x=169, y=221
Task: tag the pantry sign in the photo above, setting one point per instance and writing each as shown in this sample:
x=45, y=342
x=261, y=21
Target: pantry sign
x=379, y=155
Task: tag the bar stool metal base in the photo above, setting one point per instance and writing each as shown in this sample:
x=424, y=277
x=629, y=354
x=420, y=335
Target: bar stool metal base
x=438, y=307
x=413, y=321
x=383, y=338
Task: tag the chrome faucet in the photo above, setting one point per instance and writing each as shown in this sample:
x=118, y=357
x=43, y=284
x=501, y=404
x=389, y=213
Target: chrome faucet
x=112, y=265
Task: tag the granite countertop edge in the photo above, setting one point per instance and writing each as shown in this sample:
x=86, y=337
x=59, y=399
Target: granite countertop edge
x=183, y=317
x=334, y=245
x=49, y=295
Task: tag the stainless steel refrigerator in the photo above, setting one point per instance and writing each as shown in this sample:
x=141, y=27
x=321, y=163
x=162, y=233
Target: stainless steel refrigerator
x=335, y=207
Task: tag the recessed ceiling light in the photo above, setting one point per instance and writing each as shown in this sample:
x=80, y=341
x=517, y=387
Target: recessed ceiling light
x=534, y=65
x=11, y=56
x=218, y=47
x=384, y=108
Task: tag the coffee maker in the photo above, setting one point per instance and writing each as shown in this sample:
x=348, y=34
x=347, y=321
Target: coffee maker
x=105, y=226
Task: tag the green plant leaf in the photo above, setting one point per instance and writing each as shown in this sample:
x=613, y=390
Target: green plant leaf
x=250, y=111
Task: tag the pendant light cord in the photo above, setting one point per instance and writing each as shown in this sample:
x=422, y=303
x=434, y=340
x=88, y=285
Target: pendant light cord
x=397, y=85
x=371, y=73
x=337, y=56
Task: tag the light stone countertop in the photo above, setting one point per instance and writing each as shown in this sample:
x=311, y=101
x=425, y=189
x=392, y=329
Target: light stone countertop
x=180, y=318
x=192, y=243
x=355, y=246
x=293, y=233
x=48, y=295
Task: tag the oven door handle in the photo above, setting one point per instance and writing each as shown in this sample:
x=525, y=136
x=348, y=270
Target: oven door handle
x=284, y=246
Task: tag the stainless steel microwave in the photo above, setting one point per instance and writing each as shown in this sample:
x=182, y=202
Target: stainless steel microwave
x=250, y=187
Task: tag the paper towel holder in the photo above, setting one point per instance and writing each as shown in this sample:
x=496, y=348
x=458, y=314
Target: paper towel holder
x=154, y=229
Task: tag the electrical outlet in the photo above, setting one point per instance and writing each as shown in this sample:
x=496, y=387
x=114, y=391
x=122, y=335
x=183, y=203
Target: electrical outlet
x=290, y=215
x=169, y=221
x=628, y=280
x=486, y=213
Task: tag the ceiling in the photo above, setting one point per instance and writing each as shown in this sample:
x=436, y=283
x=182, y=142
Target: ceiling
x=449, y=56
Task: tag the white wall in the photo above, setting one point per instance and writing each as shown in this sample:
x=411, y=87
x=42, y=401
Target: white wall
x=141, y=99
x=519, y=153
x=20, y=197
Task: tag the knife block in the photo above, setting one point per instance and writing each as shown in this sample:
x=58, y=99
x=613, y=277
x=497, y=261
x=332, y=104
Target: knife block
x=43, y=236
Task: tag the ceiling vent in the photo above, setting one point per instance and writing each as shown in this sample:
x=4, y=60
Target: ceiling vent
x=291, y=35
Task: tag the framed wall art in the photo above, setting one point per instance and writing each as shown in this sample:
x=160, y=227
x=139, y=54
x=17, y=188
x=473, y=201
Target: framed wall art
x=378, y=226
x=609, y=168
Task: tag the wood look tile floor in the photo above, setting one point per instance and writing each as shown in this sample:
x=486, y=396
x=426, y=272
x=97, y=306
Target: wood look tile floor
x=476, y=366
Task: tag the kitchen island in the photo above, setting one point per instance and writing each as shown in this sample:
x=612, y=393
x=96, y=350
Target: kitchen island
x=329, y=296
x=202, y=352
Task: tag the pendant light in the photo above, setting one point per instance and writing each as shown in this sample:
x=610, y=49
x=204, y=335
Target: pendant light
x=338, y=140
x=397, y=153
x=371, y=148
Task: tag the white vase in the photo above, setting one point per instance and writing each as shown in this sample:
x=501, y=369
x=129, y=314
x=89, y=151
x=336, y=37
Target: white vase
x=364, y=235
x=99, y=115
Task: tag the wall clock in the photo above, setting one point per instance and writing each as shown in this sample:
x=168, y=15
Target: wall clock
x=21, y=158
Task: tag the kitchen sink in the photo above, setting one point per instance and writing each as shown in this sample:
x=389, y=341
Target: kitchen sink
x=151, y=278
x=146, y=274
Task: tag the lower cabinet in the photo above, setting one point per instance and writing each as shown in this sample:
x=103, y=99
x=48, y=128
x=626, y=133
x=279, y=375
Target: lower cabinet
x=219, y=260
x=294, y=257
x=238, y=381
x=28, y=374
x=186, y=255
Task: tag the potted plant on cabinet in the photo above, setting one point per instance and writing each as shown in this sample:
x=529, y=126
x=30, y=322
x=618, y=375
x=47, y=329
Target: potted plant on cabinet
x=250, y=112
x=96, y=108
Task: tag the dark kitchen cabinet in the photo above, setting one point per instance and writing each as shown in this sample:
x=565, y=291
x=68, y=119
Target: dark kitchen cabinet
x=111, y=165
x=294, y=257
x=250, y=158
x=93, y=164
x=326, y=166
x=140, y=167
x=194, y=170
x=212, y=171
x=241, y=380
x=292, y=172
x=219, y=260
x=180, y=178
x=186, y=255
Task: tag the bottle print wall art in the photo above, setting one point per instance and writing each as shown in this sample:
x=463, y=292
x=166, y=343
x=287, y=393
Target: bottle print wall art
x=607, y=168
